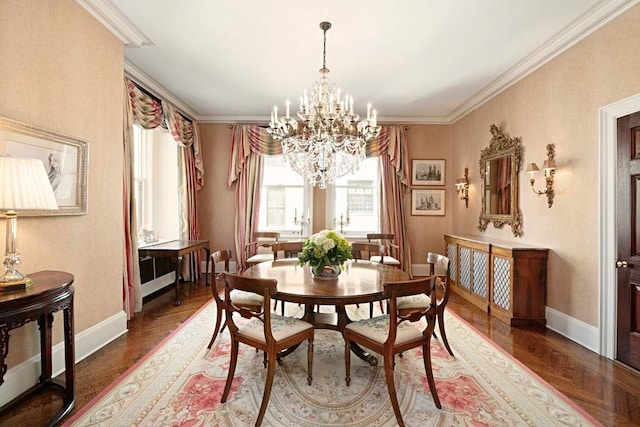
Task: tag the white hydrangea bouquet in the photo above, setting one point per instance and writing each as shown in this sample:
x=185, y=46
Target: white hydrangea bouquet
x=326, y=250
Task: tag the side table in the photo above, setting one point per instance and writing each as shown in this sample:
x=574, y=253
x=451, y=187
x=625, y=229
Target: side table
x=51, y=292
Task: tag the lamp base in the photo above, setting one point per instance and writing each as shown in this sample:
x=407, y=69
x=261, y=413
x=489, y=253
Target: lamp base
x=7, y=285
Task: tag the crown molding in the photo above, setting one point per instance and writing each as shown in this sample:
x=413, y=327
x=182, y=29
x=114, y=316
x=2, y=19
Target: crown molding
x=599, y=15
x=157, y=89
x=264, y=119
x=115, y=21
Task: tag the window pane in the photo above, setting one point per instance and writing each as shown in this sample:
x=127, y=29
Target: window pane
x=357, y=199
x=282, y=196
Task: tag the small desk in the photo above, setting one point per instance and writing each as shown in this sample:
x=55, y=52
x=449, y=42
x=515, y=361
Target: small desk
x=177, y=249
x=360, y=282
x=51, y=292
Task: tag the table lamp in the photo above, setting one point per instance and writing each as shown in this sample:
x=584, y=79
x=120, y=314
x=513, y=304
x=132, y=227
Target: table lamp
x=24, y=185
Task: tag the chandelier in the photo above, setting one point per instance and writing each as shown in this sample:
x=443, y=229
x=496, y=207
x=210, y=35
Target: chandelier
x=329, y=140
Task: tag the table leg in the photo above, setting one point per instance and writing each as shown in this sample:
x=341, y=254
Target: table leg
x=69, y=356
x=343, y=320
x=45, y=323
x=206, y=271
x=178, y=270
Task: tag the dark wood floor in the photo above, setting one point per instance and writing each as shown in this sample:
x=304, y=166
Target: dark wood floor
x=609, y=391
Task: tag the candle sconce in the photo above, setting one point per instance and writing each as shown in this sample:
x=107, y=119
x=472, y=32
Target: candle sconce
x=549, y=168
x=462, y=186
x=342, y=223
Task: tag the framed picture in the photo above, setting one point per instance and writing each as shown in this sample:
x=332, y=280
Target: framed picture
x=64, y=158
x=427, y=202
x=427, y=172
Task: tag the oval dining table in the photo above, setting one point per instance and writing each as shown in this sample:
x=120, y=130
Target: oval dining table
x=360, y=282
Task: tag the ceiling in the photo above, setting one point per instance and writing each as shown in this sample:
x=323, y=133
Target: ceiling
x=416, y=61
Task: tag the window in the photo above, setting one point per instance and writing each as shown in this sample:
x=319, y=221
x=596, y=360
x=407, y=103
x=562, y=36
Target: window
x=357, y=197
x=284, y=196
x=155, y=170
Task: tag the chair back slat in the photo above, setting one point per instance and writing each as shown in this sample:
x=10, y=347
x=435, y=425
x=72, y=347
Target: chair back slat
x=289, y=249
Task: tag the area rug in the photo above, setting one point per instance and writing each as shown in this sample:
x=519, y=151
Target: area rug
x=180, y=384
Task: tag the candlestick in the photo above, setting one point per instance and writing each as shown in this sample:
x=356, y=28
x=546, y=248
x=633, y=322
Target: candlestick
x=342, y=223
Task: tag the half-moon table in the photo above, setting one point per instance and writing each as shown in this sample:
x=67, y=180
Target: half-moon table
x=359, y=283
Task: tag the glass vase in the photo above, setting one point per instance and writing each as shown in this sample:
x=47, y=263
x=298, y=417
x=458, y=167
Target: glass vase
x=327, y=272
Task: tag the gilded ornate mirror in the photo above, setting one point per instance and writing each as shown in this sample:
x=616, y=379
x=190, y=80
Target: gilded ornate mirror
x=499, y=166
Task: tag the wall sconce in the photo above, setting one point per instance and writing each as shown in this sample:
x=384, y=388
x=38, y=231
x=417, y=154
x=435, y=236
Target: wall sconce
x=462, y=186
x=549, y=168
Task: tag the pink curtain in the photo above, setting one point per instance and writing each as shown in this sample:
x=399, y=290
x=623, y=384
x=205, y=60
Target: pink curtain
x=391, y=146
x=131, y=291
x=249, y=144
x=145, y=110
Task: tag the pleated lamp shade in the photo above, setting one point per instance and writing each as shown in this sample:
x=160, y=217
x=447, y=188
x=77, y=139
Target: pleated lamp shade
x=24, y=185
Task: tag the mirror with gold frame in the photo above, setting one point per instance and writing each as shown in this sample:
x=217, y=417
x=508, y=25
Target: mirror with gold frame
x=499, y=166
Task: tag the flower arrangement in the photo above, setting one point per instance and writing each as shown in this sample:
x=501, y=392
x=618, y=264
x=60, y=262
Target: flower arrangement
x=326, y=248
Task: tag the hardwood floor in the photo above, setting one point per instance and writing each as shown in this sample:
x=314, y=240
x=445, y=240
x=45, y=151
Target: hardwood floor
x=607, y=390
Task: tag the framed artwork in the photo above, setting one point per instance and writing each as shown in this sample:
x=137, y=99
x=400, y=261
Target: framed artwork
x=427, y=172
x=427, y=202
x=64, y=158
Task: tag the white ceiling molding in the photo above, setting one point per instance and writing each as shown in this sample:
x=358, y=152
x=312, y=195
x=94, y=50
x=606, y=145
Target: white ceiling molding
x=115, y=21
x=158, y=90
x=586, y=24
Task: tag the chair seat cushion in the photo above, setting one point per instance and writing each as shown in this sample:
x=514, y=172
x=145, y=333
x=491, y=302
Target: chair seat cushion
x=377, y=329
x=243, y=298
x=281, y=327
x=413, y=301
x=387, y=260
x=257, y=258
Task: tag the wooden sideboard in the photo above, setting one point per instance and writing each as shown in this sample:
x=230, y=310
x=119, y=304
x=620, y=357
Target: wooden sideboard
x=506, y=279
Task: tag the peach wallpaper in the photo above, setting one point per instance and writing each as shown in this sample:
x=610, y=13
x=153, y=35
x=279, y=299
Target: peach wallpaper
x=558, y=104
x=62, y=71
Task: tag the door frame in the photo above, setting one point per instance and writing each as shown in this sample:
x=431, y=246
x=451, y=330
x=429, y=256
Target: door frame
x=608, y=116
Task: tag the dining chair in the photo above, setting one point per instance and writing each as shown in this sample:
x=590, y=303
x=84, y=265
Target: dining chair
x=395, y=333
x=246, y=299
x=361, y=250
x=289, y=250
x=391, y=250
x=408, y=303
x=262, y=330
x=259, y=250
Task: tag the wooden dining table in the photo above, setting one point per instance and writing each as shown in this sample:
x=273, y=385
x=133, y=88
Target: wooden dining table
x=360, y=282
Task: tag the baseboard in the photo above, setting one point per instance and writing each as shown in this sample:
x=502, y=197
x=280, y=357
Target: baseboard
x=576, y=330
x=22, y=376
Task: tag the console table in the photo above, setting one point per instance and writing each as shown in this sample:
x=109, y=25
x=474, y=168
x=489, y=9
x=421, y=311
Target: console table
x=176, y=249
x=506, y=279
x=51, y=292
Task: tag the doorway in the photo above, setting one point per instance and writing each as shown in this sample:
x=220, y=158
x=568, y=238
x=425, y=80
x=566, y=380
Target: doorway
x=628, y=243
x=607, y=233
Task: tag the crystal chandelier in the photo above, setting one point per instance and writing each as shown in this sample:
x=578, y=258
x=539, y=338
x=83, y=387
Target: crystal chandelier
x=329, y=141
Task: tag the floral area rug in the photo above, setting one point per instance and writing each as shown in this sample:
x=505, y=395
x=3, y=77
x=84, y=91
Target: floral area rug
x=180, y=384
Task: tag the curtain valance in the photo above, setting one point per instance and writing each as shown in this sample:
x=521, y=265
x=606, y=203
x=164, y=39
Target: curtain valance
x=150, y=113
